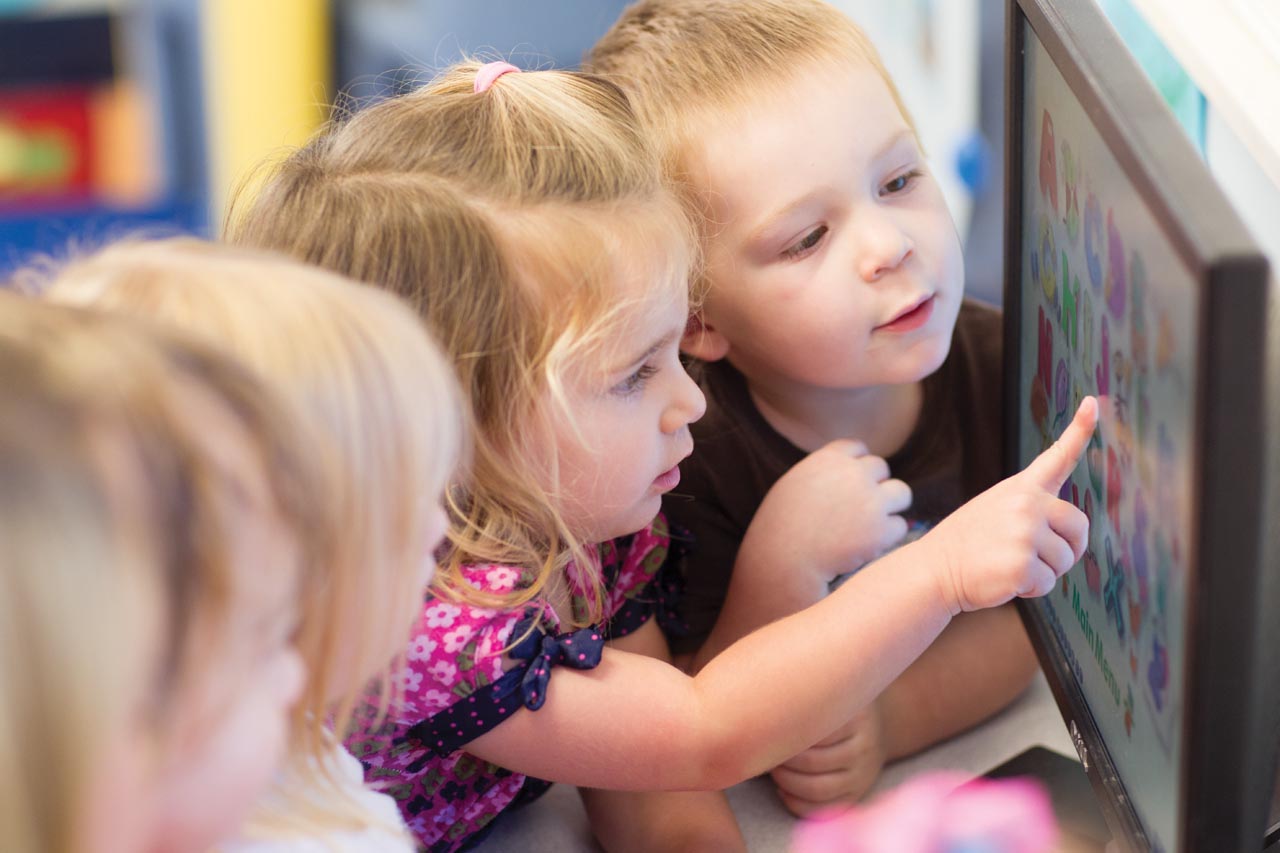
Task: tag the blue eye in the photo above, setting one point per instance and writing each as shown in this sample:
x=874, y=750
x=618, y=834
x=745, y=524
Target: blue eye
x=900, y=184
x=812, y=239
x=635, y=382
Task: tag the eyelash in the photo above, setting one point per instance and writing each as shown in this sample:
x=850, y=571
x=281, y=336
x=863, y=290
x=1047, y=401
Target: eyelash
x=635, y=382
x=809, y=242
x=906, y=179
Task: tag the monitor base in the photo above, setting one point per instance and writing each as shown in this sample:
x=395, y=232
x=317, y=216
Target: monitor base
x=1083, y=828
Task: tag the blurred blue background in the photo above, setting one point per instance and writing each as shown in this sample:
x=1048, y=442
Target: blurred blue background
x=121, y=115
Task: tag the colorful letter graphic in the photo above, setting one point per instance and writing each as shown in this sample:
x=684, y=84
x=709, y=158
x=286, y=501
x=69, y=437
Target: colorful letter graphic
x=1070, y=312
x=1093, y=575
x=1102, y=373
x=1113, y=593
x=1086, y=325
x=1071, y=191
x=1093, y=241
x=1061, y=393
x=1158, y=672
x=1093, y=458
x=1114, y=488
x=1041, y=384
x=1047, y=271
x=1048, y=162
x=1117, y=283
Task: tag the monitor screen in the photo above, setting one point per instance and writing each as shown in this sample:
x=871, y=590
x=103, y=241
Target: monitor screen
x=1114, y=289
x=1112, y=314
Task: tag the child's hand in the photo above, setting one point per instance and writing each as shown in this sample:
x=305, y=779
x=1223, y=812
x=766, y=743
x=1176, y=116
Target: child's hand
x=839, y=769
x=835, y=510
x=1017, y=538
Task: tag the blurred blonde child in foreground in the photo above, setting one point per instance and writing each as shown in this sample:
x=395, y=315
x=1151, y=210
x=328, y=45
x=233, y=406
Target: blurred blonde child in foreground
x=382, y=403
x=853, y=393
x=153, y=498
x=524, y=214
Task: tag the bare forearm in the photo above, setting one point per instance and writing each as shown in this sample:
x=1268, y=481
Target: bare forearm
x=638, y=723
x=978, y=665
x=862, y=636
x=772, y=694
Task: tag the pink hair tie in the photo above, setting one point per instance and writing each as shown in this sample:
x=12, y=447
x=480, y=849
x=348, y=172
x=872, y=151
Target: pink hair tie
x=489, y=74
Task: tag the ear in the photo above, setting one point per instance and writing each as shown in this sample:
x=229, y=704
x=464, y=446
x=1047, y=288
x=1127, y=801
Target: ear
x=702, y=341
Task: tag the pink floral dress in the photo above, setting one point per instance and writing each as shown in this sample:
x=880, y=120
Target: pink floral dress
x=455, y=689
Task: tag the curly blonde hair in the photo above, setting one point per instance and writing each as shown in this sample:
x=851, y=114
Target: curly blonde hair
x=526, y=223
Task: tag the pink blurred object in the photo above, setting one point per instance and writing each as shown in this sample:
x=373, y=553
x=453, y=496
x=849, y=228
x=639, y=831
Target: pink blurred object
x=938, y=813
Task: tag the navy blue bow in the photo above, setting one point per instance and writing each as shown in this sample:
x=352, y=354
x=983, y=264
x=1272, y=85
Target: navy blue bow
x=463, y=721
x=581, y=649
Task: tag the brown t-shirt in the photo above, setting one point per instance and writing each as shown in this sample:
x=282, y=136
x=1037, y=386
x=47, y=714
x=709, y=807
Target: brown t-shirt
x=953, y=453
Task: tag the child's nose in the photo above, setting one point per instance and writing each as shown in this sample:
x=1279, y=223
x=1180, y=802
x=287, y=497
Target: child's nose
x=687, y=405
x=883, y=246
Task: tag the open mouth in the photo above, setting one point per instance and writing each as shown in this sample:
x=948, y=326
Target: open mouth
x=911, y=319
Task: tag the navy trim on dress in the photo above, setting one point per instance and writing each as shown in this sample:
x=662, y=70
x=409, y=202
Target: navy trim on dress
x=454, y=727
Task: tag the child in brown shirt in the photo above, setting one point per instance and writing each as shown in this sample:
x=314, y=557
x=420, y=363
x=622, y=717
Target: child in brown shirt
x=844, y=371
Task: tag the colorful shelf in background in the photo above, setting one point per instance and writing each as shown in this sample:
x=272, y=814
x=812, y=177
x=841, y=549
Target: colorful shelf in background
x=57, y=231
x=100, y=131
x=71, y=145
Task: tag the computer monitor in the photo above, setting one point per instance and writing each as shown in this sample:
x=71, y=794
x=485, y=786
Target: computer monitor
x=1129, y=277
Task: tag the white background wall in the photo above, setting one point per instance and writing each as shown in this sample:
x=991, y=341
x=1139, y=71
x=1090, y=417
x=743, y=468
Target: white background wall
x=931, y=49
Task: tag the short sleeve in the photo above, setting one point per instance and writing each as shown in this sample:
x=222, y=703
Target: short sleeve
x=455, y=650
x=537, y=653
x=455, y=689
x=469, y=668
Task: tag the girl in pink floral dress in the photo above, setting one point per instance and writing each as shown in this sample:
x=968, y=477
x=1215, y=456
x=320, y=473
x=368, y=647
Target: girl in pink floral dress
x=526, y=217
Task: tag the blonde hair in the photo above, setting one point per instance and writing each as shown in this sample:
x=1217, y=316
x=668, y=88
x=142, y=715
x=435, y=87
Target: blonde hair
x=111, y=509
x=508, y=218
x=685, y=63
x=360, y=368
x=72, y=598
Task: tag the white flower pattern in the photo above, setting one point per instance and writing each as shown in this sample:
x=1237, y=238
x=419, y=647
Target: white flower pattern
x=421, y=648
x=437, y=796
x=441, y=614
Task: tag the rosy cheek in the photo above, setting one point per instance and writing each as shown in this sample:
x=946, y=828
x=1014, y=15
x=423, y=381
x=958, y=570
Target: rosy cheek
x=290, y=678
x=120, y=807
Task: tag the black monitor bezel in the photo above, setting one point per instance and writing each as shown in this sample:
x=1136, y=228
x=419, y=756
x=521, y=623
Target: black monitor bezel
x=1228, y=735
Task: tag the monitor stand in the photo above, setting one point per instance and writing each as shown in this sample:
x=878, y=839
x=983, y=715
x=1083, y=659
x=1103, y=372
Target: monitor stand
x=1083, y=828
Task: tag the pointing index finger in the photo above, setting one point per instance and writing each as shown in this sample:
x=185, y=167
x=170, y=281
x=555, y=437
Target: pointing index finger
x=1052, y=467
